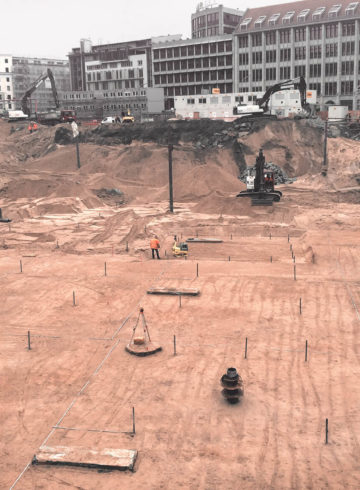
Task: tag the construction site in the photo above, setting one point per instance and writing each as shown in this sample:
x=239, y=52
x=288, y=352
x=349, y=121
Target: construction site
x=251, y=315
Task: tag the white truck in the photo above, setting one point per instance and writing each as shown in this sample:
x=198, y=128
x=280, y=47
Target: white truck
x=17, y=116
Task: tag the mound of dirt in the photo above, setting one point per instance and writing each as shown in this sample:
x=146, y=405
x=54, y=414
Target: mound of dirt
x=216, y=202
x=293, y=145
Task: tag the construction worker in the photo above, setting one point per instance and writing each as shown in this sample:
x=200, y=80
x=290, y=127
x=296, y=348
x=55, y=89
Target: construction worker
x=30, y=127
x=155, y=245
x=35, y=126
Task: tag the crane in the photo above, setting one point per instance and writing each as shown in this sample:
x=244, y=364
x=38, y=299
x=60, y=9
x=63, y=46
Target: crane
x=34, y=86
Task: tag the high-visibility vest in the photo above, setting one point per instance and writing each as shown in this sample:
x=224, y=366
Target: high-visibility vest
x=154, y=243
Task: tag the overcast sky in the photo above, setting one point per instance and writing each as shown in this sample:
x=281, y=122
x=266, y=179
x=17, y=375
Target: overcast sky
x=50, y=28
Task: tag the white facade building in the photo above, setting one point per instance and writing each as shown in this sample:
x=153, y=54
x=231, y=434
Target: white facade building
x=6, y=82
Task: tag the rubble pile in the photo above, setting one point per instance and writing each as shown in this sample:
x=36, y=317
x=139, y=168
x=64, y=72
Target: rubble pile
x=280, y=175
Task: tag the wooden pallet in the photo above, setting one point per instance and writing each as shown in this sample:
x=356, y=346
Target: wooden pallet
x=110, y=459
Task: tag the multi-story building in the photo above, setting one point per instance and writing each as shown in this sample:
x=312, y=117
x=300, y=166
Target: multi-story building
x=26, y=70
x=18, y=73
x=317, y=39
x=141, y=102
x=111, y=56
x=6, y=85
x=117, y=75
x=213, y=20
x=193, y=66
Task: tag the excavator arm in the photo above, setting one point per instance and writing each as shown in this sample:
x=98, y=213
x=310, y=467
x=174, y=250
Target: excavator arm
x=25, y=98
x=297, y=84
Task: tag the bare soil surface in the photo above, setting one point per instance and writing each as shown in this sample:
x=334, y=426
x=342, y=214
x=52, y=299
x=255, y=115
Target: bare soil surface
x=77, y=385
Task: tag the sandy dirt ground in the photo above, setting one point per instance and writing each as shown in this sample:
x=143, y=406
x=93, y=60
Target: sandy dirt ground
x=78, y=375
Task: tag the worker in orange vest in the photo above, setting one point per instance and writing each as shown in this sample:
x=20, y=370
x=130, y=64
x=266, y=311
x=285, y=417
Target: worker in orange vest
x=30, y=127
x=35, y=126
x=155, y=245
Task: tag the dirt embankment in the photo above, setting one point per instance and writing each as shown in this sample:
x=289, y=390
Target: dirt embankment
x=40, y=173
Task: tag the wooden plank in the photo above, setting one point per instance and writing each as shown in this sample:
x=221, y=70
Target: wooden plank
x=116, y=459
x=204, y=240
x=174, y=291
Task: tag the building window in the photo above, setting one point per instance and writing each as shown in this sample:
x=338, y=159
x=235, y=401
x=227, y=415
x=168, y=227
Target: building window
x=300, y=53
x=202, y=100
x=270, y=73
x=348, y=48
x=315, y=71
x=271, y=56
x=257, y=75
x=348, y=28
x=347, y=68
x=285, y=54
x=300, y=71
x=331, y=50
x=330, y=88
x=333, y=12
x=315, y=86
x=315, y=32
x=302, y=15
x=243, y=76
x=270, y=38
x=315, y=51
x=257, y=57
x=243, y=58
x=285, y=36
x=256, y=39
x=6, y=60
x=300, y=34
x=331, y=30
x=243, y=42
x=330, y=69
x=284, y=72
x=7, y=70
x=347, y=88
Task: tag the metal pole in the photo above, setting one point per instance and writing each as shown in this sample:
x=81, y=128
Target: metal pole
x=171, y=197
x=20, y=266
x=306, y=349
x=29, y=344
x=105, y=268
x=74, y=303
x=197, y=270
x=246, y=348
x=174, y=345
x=300, y=307
x=294, y=272
x=77, y=152
x=133, y=417
x=325, y=147
x=326, y=431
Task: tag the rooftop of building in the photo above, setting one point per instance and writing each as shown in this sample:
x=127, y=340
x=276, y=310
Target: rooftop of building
x=197, y=40
x=296, y=13
x=208, y=7
x=140, y=43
